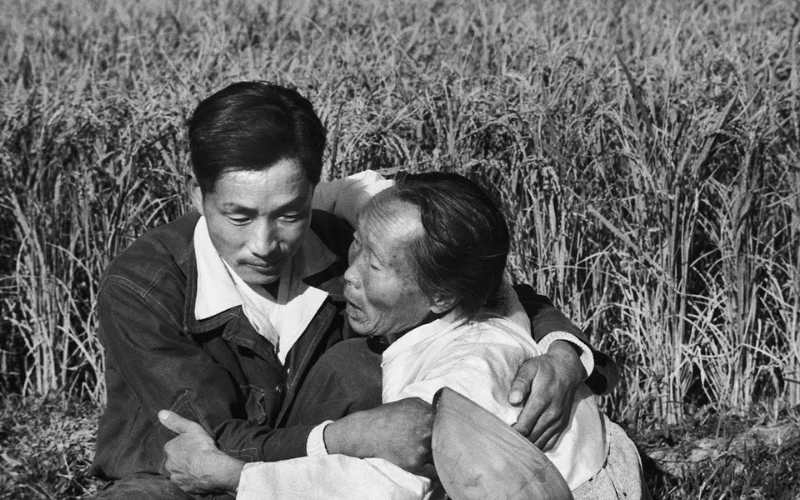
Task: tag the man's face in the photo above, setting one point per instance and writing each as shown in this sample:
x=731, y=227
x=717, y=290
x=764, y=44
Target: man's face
x=257, y=218
x=383, y=296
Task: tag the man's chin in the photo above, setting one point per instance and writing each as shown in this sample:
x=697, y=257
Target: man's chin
x=254, y=278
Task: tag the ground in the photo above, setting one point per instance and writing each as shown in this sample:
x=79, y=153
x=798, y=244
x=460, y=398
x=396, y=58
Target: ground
x=46, y=449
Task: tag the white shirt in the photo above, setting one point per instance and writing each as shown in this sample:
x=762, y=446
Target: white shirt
x=478, y=359
x=280, y=320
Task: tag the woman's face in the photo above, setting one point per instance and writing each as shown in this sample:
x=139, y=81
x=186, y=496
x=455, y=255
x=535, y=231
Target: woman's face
x=383, y=296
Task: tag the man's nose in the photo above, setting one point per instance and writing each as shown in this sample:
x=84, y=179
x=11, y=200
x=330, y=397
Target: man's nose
x=263, y=242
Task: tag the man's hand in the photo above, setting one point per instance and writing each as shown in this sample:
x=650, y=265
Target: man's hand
x=549, y=383
x=399, y=432
x=194, y=462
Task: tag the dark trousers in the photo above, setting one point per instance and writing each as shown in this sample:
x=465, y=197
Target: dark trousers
x=345, y=380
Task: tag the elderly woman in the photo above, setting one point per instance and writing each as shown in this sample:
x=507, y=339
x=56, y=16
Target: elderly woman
x=426, y=280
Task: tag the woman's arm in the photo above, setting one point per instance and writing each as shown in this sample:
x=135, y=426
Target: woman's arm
x=196, y=465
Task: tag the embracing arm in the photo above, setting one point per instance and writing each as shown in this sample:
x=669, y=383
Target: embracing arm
x=603, y=373
x=345, y=197
x=547, y=384
x=197, y=466
x=156, y=365
x=399, y=433
x=194, y=462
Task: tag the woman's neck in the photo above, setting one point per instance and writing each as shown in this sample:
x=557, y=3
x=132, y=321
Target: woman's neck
x=449, y=317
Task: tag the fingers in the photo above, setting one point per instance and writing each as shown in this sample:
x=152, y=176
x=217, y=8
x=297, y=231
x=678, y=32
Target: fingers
x=422, y=456
x=521, y=385
x=404, y=430
x=552, y=441
x=178, y=424
x=546, y=435
x=528, y=423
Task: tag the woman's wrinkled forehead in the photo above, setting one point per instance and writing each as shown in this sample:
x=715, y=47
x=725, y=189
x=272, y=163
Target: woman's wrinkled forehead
x=387, y=218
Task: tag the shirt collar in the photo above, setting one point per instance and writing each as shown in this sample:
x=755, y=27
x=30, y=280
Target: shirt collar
x=216, y=289
x=416, y=339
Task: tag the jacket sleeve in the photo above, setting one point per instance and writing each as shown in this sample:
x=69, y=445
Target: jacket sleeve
x=152, y=357
x=347, y=196
x=546, y=319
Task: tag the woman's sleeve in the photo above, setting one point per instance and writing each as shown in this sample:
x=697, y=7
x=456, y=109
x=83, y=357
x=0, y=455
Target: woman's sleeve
x=333, y=477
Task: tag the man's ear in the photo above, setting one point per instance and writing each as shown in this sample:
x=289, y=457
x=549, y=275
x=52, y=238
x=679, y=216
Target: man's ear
x=196, y=194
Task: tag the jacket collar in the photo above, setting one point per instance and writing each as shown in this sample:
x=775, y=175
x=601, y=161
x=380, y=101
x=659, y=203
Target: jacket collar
x=212, y=297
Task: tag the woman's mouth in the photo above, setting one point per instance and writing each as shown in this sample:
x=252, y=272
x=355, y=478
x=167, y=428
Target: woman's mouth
x=351, y=305
x=352, y=309
x=355, y=315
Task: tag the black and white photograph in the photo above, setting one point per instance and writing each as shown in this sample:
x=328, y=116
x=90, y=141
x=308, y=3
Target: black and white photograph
x=399, y=249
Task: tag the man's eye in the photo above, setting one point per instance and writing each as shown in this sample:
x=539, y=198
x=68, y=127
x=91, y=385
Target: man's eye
x=239, y=220
x=291, y=217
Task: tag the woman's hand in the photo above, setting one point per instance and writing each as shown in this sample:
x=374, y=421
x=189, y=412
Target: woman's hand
x=399, y=432
x=194, y=462
x=546, y=385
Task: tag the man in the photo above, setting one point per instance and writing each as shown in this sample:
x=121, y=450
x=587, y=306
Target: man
x=220, y=315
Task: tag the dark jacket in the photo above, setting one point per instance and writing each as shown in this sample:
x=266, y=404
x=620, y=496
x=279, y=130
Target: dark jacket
x=219, y=371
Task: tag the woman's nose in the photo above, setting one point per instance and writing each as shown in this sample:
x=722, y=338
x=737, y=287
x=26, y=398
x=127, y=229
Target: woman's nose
x=351, y=277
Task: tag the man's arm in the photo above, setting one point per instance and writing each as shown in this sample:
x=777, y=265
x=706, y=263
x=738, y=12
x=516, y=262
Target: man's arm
x=547, y=384
x=347, y=196
x=197, y=466
x=194, y=462
x=546, y=319
x=399, y=432
x=167, y=370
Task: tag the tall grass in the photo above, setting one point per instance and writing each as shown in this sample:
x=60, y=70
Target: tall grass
x=646, y=151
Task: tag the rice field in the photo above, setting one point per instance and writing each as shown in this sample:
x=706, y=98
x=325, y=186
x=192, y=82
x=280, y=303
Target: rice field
x=648, y=155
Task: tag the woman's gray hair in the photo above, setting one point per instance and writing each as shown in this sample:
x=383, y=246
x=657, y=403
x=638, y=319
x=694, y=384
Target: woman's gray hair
x=461, y=258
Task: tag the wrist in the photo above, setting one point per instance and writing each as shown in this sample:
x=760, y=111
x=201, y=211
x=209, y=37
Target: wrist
x=315, y=444
x=338, y=436
x=568, y=355
x=230, y=471
x=584, y=352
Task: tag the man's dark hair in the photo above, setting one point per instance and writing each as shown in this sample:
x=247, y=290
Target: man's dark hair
x=462, y=256
x=251, y=126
